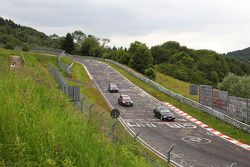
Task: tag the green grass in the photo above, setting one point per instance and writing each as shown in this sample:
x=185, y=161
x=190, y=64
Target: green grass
x=175, y=85
x=66, y=60
x=39, y=126
x=211, y=121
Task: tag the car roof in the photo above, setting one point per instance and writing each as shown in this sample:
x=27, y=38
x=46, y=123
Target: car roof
x=122, y=95
x=163, y=107
x=112, y=84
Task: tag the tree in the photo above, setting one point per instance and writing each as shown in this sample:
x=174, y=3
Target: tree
x=54, y=36
x=141, y=58
x=105, y=41
x=214, y=77
x=79, y=37
x=124, y=57
x=91, y=47
x=236, y=85
x=160, y=54
x=68, y=44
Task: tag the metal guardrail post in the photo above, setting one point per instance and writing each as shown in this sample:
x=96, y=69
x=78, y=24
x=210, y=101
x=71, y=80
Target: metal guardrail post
x=233, y=164
x=168, y=155
x=113, y=130
x=90, y=109
x=136, y=135
x=82, y=103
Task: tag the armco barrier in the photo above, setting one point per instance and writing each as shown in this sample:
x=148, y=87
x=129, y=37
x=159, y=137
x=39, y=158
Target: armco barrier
x=186, y=100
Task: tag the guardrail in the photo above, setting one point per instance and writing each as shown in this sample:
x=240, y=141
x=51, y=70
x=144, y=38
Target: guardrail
x=186, y=100
x=73, y=92
x=66, y=68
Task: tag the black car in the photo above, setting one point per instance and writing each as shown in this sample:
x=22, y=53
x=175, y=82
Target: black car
x=164, y=113
x=113, y=88
x=125, y=100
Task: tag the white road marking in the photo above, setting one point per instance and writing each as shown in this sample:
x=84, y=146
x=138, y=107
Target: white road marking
x=196, y=140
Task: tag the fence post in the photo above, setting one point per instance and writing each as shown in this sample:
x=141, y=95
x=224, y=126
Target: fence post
x=168, y=154
x=90, y=109
x=82, y=103
x=136, y=135
x=113, y=130
x=233, y=164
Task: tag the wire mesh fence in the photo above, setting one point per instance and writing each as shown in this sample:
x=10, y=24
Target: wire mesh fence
x=66, y=68
x=73, y=92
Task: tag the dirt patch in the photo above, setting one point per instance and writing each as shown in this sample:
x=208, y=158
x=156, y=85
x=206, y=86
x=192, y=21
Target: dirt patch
x=16, y=62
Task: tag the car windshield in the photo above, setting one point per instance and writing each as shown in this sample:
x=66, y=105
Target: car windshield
x=113, y=86
x=126, y=97
x=164, y=110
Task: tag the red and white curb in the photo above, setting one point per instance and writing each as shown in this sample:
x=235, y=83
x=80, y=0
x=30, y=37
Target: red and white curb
x=204, y=126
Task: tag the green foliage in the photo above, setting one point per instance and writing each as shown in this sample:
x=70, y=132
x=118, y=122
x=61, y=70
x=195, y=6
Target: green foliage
x=25, y=48
x=236, y=85
x=124, y=57
x=9, y=45
x=19, y=35
x=196, y=66
x=68, y=44
x=150, y=73
x=91, y=47
x=242, y=54
x=141, y=58
x=160, y=54
x=214, y=77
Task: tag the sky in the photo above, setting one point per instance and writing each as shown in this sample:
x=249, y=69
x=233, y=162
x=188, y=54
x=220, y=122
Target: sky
x=219, y=25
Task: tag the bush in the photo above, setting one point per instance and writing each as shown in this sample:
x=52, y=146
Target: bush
x=9, y=46
x=150, y=73
x=25, y=48
x=236, y=85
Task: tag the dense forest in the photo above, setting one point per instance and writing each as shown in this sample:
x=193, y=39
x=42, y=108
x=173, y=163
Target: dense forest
x=242, y=54
x=12, y=35
x=195, y=66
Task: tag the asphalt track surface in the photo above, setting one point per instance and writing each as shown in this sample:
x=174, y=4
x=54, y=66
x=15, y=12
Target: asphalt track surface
x=195, y=147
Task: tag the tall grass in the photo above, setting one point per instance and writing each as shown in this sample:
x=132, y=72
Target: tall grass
x=40, y=127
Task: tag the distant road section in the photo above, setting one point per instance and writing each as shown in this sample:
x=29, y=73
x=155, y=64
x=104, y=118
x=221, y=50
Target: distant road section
x=195, y=147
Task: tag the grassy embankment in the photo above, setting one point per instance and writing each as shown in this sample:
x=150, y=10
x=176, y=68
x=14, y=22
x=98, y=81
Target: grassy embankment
x=40, y=127
x=175, y=85
x=211, y=121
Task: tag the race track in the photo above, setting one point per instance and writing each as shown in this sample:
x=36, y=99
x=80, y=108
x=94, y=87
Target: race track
x=194, y=147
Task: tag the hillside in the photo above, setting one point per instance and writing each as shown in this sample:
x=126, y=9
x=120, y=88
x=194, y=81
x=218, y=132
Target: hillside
x=196, y=66
x=242, y=54
x=12, y=34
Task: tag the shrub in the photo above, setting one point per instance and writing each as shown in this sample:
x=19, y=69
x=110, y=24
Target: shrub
x=150, y=73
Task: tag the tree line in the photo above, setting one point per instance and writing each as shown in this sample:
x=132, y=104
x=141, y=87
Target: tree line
x=12, y=34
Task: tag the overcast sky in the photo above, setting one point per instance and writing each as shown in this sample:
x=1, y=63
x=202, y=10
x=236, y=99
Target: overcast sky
x=220, y=25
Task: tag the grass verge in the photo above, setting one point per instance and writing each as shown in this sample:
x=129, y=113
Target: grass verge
x=211, y=121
